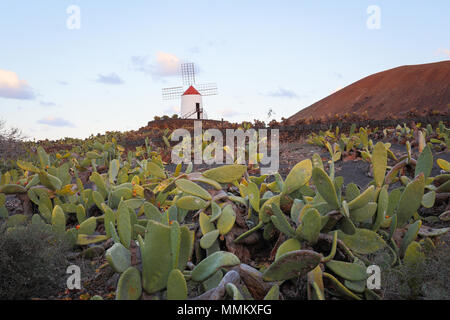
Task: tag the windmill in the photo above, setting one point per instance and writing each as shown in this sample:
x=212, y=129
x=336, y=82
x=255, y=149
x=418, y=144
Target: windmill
x=190, y=93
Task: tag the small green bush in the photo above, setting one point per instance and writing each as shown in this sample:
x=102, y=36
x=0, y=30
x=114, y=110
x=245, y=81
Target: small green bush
x=428, y=280
x=32, y=262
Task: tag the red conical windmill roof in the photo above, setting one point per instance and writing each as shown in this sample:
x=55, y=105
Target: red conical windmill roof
x=191, y=91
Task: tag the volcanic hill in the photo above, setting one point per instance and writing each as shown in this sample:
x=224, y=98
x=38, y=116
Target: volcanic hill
x=390, y=93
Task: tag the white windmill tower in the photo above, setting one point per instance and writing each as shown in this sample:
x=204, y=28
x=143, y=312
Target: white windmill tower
x=190, y=93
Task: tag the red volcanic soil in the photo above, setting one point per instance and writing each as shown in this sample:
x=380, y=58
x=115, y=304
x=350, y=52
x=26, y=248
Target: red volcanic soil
x=390, y=93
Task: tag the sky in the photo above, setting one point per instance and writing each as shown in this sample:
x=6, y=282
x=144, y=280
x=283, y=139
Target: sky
x=81, y=67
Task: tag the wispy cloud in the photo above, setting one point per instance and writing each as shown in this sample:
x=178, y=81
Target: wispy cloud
x=283, y=93
x=47, y=103
x=63, y=83
x=172, y=110
x=11, y=87
x=165, y=65
x=231, y=113
x=56, y=122
x=111, y=78
x=445, y=52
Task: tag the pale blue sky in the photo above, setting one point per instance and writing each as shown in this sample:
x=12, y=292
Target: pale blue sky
x=284, y=55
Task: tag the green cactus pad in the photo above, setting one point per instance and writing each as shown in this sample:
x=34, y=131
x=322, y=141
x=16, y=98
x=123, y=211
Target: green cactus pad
x=253, y=195
x=205, y=225
x=175, y=242
x=191, y=203
x=226, y=220
x=266, y=209
x=288, y=246
x=176, y=286
x=394, y=198
x=364, y=213
x=382, y=205
x=325, y=187
x=233, y=292
x=431, y=232
x=311, y=224
x=348, y=271
x=50, y=181
x=424, y=162
x=299, y=175
x=379, y=161
x=356, y=286
x=281, y=222
x=443, y=164
x=109, y=218
x=227, y=173
x=216, y=211
x=124, y=225
x=208, y=239
x=58, y=219
x=192, y=188
x=155, y=170
x=410, y=235
x=113, y=171
x=340, y=288
x=429, y=199
x=347, y=226
x=156, y=260
x=362, y=200
x=118, y=257
x=12, y=189
x=129, y=286
x=410, y=200
x=197, y=177
x=364, y=241
x=291, y=265
x=98, y=199
x=88, y=226
x=445, y=216
x=207, y=267
x=414, y=254
x=296, y=208
x=27, y=166
x=273, y=293
x=351, y=192
x=317, y=161
x=315, y=284
x=84, y=239
x=152, y=212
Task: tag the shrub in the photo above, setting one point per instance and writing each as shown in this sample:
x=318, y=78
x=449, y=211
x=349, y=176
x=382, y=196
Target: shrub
x=428, y=280
x=32, y=262
x=10, y=146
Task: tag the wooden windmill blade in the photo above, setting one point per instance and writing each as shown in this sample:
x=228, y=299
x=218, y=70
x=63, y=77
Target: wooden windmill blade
x=207, y=89
x=188, y=74
x=172, y=93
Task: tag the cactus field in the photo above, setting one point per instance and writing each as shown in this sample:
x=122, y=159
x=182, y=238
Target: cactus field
x=149, y=229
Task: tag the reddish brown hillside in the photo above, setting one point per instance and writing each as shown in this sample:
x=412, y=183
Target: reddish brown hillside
x=389, y=93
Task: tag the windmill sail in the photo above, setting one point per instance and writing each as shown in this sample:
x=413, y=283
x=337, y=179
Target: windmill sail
x=172, y=93
x=188, y=74
x=208, y=89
